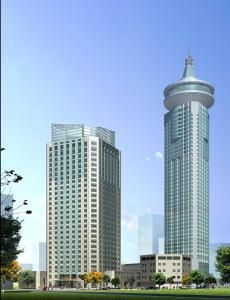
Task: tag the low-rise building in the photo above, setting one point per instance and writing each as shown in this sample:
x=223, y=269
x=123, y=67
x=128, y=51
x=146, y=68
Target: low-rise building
x=129, y=275
x=138, y=275
x=40, y=280
x=171, y=265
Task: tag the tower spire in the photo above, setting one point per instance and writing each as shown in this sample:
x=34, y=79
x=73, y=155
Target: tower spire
x=188, y=68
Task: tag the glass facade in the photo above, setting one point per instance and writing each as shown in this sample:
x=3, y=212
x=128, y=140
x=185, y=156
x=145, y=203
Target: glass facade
x=187, y=169
x=83, y=203
x=150, y=230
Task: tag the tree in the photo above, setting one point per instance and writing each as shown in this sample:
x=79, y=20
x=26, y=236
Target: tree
x=10, y=238
x=10, y=273
x=209, y=279
x=27, y=277
x=197, y=277
x=83, y=277
x=223, y=263
x=106, y=279
x=10, y=228
x=158, y=278
x=126, y=284
x=131, y=281
x=96, y=277
x=186, y=280
x=170, y=280
x=115, y=281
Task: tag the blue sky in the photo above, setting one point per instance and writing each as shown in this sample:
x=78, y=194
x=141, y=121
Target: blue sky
x=106, y=63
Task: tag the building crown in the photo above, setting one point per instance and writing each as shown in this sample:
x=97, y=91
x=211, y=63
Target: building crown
x=188, y=68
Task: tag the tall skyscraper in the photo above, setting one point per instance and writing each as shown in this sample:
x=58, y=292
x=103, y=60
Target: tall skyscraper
x=187, y=167
x=150, y=234
x=83, y=202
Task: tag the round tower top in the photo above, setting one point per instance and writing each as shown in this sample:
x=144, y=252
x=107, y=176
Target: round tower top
x=188, y=89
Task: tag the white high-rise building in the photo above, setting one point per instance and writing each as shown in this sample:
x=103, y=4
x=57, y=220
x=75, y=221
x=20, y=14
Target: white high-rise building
x=83, y=202
x=187, y=167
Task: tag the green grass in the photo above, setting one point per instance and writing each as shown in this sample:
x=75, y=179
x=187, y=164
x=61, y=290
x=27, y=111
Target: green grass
x=72, y=296
x=216, y=291
x=66, y=295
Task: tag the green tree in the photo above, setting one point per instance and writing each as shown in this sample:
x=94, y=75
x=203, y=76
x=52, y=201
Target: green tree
x=197, y=276
x=84, y=277
x=170, y=280
x=209, y=279
x=106, y=279
x=115, y=281
x=10, y=238
x=223, y=263
x=10, y=227
x=27, y=277
x=158, y=278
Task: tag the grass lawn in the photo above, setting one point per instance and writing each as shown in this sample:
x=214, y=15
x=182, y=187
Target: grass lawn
x=23, y=295
x=216, y=291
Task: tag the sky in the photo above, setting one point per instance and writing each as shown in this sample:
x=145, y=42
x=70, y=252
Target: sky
x=106, y=63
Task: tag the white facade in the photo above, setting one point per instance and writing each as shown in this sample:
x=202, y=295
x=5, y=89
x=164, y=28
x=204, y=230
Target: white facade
x=83, y=203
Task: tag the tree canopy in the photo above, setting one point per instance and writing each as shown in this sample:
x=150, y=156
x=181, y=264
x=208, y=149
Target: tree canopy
x=197, y=276
x=223, y=263
x=10, y=238
x=158, y=278
x=209, y=279
x=106, y=279
x=10, y=227
x=27, y=276
x=11, y=272
x=115, y=281
x=170, y=280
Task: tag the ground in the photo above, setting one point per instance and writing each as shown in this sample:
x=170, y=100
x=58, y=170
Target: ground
x=190, y=294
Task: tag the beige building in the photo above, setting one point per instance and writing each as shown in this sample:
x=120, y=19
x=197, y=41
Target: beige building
x=40, y=280
x=129, y=275
x=138, y=275
x=171, y=265
x=83, y=203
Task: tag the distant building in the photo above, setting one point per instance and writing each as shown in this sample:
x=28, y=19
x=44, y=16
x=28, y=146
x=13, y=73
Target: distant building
x=39, y=256
x=161, y=246
x=6, y=203
x=42, y=256
x=150, y=234
x=212, y=257
x=26, y=266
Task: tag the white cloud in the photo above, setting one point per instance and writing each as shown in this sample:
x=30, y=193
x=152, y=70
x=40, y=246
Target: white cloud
x=148, y=159
x=149, y=210
x=159, y=155
x=127, y=244
x=129, y=222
